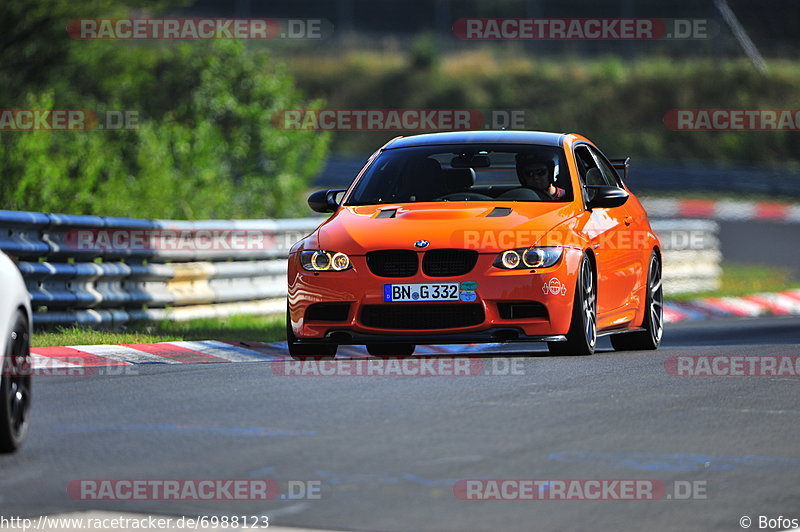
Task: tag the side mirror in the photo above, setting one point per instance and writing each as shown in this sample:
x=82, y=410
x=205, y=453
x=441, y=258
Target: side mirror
x=324, y=200
x=606, y=196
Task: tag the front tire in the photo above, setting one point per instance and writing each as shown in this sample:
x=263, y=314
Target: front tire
x=582, y=335
x=306, y=351
x=15, y=387
x=650, y=337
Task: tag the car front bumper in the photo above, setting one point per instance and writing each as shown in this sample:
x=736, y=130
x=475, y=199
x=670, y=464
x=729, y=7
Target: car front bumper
x=359, y=288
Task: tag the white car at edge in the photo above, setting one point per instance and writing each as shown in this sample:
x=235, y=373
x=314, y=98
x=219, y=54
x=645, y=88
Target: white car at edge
x=15, y=377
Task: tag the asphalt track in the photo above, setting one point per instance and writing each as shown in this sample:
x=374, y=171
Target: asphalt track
x=388, y=450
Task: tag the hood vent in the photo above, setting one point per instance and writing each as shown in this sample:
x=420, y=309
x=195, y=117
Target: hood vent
x=387, y=213
x=499, y=212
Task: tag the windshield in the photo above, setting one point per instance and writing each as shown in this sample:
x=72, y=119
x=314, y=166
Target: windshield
x=465, y=173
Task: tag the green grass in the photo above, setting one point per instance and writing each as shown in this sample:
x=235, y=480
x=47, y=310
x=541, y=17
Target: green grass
x=237, y=328
x=742, y=280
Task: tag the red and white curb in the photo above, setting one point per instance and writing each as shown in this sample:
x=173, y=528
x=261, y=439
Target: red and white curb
x=722, y=209
x=785, y=303
x=213, y=351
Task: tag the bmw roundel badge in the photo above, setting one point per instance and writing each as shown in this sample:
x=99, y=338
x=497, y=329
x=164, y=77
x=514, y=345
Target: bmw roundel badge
x=421, y=243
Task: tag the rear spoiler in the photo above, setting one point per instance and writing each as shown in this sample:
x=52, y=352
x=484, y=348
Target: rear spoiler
x=621, y=164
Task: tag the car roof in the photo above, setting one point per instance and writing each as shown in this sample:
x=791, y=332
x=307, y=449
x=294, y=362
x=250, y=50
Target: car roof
x=541, y=138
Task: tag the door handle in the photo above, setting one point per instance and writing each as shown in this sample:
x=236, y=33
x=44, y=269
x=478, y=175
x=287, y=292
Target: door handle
x=628, y=220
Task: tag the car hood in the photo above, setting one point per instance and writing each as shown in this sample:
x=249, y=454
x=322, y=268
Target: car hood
x=483, y=226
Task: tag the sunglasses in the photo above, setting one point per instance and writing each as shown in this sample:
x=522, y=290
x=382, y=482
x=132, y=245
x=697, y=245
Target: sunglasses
x=535, y=172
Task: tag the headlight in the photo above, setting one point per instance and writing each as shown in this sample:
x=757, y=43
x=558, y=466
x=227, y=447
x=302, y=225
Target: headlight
x=525, y=258
x=510, y=259
x=324, y=261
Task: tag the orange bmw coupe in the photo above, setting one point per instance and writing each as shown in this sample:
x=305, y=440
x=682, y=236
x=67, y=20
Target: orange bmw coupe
x=482, y=236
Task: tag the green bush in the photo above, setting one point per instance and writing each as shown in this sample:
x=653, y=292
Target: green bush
x=205, y=146
x=621, y=105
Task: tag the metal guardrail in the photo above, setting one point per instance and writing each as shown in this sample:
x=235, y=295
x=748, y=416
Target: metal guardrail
x=108, y=271
x=691, y=255
x=104, y=270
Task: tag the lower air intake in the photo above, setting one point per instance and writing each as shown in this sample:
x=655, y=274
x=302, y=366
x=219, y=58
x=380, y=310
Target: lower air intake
x=401, y=316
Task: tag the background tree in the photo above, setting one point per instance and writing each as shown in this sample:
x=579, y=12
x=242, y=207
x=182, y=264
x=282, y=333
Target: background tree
x=205, y=146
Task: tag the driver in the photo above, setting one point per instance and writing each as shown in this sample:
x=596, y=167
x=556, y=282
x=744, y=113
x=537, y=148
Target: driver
x=537, y=175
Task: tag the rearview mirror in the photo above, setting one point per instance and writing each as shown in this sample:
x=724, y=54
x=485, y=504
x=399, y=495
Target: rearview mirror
x=324, y=200
x=606, y=196
x=474, y=161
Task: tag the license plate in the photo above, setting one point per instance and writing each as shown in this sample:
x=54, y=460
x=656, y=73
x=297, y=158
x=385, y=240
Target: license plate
x=393, y=293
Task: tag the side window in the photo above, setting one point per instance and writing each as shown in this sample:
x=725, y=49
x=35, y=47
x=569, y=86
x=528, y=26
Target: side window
x=591, y=173
x=585, y=162
x=594, y=170
x=609, y=175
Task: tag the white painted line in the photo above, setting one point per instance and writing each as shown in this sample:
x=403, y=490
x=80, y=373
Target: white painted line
x=279, y=348
x=43, y=362
x=748, y=307
x=225, y=351
x=734, y=210
x=660, y=207
x=793, y=214
x=783, y=303
x=122, y=353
